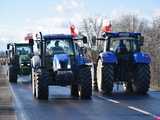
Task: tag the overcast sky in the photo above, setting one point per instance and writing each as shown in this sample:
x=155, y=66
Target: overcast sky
x=19, y=17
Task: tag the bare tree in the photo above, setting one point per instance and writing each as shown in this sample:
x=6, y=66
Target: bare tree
x=91, y=27
x=129, y=23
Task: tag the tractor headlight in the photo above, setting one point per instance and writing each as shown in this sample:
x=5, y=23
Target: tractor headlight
x=69, y=65
x=22, y=64
x=28, y=64
x=58, y=65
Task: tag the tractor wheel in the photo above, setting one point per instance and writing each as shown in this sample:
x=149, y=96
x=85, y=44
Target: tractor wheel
x=33, y=83
x=74, y=91
x=85, y=83
x=105, y=77
x=141, y=79
x=41, y=79
x=94, y=78
x=12, y=74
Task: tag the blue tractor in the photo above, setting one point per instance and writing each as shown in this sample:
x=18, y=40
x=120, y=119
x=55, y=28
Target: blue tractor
x=61, y=61
x=122, y=61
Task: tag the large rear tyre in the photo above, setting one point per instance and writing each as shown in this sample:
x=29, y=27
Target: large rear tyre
x=41, y=81
x=142, y=77
x=33, y=83
x=85, y=83
x=94, y=77
x=105, y=77
x=12, y=74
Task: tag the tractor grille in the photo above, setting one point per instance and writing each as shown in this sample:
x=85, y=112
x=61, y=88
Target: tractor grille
x=63, y=64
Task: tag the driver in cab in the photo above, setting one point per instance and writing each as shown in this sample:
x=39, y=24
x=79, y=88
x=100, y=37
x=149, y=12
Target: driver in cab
x=57, y=49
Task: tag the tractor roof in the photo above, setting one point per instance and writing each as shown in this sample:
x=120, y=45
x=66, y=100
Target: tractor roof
x=57, y=36
x=22, y=44
x=123, y=34
x=19, y=44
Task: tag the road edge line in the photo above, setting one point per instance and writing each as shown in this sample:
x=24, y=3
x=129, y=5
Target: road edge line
x=19, y=111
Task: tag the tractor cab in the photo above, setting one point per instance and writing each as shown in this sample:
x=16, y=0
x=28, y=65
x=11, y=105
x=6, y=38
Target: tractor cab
x=24, y=51
x=124, y=45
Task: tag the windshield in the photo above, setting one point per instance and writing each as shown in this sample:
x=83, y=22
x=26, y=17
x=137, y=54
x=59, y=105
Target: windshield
x=23, y=50
x=60, y=47
x=130, y=44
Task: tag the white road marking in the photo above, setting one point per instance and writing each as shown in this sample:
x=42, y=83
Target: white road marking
x=129, y=107
x=114, y=101
x=139, y=110
x=143, y=112
x=20, y=115
x=110, y=100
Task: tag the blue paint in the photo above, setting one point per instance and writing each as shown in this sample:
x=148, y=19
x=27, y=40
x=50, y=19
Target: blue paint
x=141, y=57
x=108, y=57
x=57, y=36
x=61, y=57
x=82, y=60
x=123, y=34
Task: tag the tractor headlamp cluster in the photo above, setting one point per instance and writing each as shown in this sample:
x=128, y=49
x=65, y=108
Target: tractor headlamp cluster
x=28, y=64
x=63, y=64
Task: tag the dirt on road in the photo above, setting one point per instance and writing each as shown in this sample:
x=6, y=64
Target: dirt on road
x=7, y=111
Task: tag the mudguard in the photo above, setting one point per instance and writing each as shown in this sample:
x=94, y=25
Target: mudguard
x=141, y=57
x=108, y=57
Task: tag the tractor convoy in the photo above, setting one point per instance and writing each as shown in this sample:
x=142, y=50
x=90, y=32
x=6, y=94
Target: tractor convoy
x=62, y=60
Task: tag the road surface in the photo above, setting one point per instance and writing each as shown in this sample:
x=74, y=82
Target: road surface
x=61, y=106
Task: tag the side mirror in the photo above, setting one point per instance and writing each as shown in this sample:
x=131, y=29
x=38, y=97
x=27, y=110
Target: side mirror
x=7, y=46
x=84, y=39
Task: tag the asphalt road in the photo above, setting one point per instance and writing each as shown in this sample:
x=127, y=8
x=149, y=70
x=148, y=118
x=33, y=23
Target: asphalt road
x=61, y=106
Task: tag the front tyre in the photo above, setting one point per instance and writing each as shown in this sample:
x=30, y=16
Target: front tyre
x=33, y=77
x=85, y=82
x=12, y=74
x=105, y=77
x=41, y=81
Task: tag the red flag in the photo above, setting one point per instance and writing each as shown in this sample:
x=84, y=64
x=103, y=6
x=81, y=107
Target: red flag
x=107, y=28
x=29, y=36
x=73, y=32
